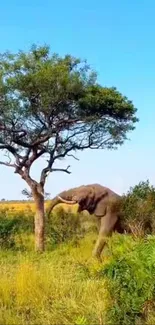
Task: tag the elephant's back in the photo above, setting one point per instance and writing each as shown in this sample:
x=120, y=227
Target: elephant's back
x=105, y=190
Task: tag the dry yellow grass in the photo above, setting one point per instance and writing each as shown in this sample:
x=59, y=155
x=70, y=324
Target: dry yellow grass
x=18, y=206
x=55, y=288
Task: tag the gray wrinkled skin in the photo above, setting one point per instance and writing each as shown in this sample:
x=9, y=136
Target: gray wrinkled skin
x=99, y=201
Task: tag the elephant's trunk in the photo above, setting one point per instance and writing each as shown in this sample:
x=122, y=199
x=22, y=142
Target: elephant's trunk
x=53, y=203
x=58, y=199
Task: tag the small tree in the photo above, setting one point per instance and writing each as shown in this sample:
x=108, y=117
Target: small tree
x=138, y=209
x=53, y=106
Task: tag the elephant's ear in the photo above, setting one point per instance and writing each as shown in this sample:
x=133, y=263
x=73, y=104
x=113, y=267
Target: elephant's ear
x=100, y=209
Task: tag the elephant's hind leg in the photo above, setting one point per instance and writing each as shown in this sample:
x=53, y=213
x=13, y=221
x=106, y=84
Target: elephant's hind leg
x=107, y=225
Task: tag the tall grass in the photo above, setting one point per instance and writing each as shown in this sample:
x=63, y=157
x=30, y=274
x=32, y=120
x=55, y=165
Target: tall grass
x=55, y=288
x=65, y=285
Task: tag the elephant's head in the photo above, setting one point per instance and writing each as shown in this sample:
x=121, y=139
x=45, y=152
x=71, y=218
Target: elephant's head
x=81, y=195
x=92, y=198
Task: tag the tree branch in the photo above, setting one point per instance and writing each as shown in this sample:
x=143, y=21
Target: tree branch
x=47, y=169
x=72, y=157
x=13, y=151
x=8, y=164
x=44, y=175
x=65, y=170
x=9, y=148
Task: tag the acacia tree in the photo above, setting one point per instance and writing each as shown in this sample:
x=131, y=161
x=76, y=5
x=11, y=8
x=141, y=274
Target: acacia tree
x=53, y=106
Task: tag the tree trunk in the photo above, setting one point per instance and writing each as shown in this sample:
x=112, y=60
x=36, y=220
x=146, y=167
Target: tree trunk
x=39, y=222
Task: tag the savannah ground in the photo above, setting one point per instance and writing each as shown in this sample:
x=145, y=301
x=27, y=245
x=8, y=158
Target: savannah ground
x=65, y=285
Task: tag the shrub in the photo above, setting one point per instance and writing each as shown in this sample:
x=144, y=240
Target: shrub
x=139, y=209
x=16, y=228
x=7, y=230
x=63, y=226
x=131, y=274
x=13, y=225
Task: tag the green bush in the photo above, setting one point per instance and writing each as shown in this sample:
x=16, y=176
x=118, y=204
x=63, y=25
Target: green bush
x=7, y=230
x=139, y=209
x=63, y=226
x=131, y=275
x=11, y=225
x=15, y=228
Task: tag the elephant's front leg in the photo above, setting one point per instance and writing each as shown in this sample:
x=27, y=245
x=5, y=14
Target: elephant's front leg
x=107, y=225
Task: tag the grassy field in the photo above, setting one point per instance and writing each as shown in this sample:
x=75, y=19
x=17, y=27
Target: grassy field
x=65, y=285
x=16, y=206
x=52, y=289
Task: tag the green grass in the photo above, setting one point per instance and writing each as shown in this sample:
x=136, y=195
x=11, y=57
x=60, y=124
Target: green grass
x=53, y=288
x=67, y=286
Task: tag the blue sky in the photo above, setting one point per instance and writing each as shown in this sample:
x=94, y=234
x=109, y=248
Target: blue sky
x=117, y=39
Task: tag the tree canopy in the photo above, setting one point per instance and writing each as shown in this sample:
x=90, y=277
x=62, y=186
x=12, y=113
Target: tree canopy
x=53, y=105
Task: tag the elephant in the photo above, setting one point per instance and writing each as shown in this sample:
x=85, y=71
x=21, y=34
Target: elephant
x=99, y=201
